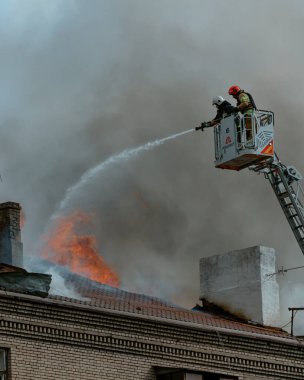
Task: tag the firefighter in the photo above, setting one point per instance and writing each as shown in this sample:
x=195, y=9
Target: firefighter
x=245, y=105
x=224, y=108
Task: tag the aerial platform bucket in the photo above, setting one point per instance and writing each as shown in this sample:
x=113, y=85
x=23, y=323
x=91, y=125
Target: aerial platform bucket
x=244, y=140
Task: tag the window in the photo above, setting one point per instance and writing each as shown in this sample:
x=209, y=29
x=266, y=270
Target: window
x=174, y=375
x=3, y=364
x=193, y=376
x=181, y=374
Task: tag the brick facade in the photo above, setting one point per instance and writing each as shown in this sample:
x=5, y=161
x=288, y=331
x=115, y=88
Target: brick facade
x=53, y=339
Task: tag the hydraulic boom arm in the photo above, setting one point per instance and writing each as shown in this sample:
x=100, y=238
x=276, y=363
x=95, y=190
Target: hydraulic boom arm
x=286, y=184
x=247, y=141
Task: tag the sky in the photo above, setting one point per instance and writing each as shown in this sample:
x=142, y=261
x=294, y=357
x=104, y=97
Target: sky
x=82, y=81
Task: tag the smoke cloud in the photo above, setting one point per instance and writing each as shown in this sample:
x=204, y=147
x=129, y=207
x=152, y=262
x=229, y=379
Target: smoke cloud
x=81, y=81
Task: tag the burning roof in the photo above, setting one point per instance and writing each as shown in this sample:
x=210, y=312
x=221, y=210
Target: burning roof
x=107, y=298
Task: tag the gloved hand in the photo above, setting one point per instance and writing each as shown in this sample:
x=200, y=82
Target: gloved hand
x=202, y=126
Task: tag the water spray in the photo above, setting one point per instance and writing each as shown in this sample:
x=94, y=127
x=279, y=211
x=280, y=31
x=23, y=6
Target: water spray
x=123, y=156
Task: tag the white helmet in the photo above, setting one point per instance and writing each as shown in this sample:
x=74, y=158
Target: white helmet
x=218, y=100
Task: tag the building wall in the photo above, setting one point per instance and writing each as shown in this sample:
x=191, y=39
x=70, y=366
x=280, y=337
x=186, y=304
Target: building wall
x=50, y=340
x=43, y=360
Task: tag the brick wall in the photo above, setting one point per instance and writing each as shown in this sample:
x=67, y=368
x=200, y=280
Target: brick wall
x=55, y=340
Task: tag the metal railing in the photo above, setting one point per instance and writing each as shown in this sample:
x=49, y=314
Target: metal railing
x=246, y=127
x=250, y=125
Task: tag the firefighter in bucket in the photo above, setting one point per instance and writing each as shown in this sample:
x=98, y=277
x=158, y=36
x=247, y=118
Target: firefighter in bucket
x=246, y=106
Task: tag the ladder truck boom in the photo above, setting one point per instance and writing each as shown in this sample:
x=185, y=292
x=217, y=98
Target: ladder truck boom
x=286, y=184
x=238, y=146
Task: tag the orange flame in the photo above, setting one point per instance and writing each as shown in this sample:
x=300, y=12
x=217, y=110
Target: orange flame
x=64, y=245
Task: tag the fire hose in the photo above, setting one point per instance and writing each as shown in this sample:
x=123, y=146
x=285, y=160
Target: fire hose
x=203, y=126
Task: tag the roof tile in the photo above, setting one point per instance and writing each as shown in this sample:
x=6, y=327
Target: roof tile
x=105, y=297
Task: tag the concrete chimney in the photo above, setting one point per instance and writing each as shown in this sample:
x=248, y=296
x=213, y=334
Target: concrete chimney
x=237, y=281
x=11, y=250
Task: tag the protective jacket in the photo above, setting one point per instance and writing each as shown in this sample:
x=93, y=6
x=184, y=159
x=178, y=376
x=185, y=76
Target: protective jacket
x=245, y=97
x=223, y=110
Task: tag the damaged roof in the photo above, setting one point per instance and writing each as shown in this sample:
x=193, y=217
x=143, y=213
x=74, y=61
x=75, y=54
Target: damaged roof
x=96, y=296
x=104, y=297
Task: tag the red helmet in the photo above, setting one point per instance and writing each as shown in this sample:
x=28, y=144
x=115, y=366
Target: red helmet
x=233, y=90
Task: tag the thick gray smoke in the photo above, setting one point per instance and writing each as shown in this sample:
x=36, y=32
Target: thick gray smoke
x=81, y=81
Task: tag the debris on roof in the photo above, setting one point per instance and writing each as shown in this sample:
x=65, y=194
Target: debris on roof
x=6, y=268
x=15, y=279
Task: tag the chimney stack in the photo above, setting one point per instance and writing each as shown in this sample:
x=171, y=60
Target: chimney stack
x=237, y=281
x=11, y=250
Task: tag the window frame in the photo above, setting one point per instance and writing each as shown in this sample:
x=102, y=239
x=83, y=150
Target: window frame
x=4, y=371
